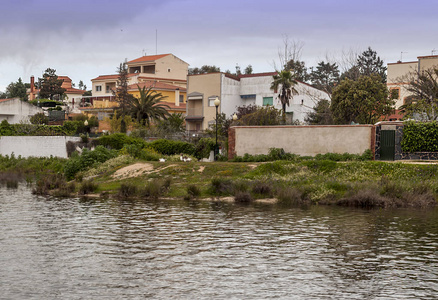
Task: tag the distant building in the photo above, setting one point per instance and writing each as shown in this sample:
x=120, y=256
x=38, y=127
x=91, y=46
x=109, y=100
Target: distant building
x=15, y=111
x=234, y=91
x=398, y=75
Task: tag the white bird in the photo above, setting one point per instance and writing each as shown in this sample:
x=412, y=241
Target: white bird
x=162, y=160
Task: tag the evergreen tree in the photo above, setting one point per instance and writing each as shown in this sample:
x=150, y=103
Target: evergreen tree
x=17, y=90
x=298, y=70
x=325, y=77
x=121, y=93
x=50, y=85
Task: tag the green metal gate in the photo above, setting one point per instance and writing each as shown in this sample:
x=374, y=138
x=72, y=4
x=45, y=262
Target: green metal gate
x=387, y=144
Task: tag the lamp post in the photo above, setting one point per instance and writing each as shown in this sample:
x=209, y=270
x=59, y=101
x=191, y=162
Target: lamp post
x=217, y=102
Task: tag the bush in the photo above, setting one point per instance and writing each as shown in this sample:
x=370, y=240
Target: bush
x=87, y=187
x=156, y=188
x=168, y=147
x=243, y=197
x=119, y=140
x=87, y=159
x=127, y=190
x=203, y=148
x=418, y=137
x=221, y=186
x=39, y=118
x=193, y=191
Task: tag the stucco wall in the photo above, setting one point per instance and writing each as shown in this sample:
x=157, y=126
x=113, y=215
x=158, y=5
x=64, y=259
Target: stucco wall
x=302, y=140
x=15, y=111
x=39, y=146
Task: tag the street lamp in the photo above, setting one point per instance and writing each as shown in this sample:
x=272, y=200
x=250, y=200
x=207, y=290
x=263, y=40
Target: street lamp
x=217, y=102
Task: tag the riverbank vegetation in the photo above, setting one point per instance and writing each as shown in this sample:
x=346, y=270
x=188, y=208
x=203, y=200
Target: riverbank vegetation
x=294, y=180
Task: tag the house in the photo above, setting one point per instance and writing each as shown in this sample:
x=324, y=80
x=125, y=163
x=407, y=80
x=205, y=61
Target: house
x=234, y=91
x=399, y=75
x=175, y=95
x=72, y=96
x=15, y=111
x=165, y=73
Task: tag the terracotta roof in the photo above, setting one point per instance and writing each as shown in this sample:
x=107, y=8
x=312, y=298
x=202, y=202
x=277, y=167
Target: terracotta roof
x=114, y=76
x=156, y=86
x=74, y=91
x=3, y=100
x=427, y=56
x=148, y=58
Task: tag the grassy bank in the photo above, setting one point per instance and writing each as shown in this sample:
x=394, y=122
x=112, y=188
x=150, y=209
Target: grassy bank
x=300, y=182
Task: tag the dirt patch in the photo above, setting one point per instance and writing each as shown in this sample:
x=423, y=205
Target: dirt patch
x=134, y=170
x=201, y=169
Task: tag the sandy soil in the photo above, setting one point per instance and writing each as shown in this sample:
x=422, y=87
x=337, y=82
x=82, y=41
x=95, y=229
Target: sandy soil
x=134, y=170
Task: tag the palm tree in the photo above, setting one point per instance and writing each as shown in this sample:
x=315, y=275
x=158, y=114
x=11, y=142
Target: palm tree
x=285, y=80
x=148, y=106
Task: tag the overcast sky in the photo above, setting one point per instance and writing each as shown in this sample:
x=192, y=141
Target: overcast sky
x=87, y=38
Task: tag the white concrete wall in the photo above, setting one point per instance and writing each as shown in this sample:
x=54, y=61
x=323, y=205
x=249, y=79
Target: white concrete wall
x=230, y=95
x=15, y=111
x=303, y=140
x=39, y=146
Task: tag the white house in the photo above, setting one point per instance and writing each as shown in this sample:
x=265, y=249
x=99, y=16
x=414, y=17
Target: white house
x=15, y=111
x=235, y=91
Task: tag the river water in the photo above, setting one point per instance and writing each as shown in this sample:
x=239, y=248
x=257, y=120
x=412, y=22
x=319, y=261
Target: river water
x=109, y=249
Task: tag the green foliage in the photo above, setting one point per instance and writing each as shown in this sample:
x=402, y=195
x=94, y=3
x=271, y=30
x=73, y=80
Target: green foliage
x=168, y=147
x=204, y=70
x=137, y=151
x=50, y=85
x=420, y=137
x=321, y=115
x=118, y=140
x=262, y=116
x=17, y=90
x=193, y=191
x=87, y=159
x=325, y=76
x=173, y=124
x=148, y=107
x=39, y=119
x=203, y=148
x=363, y=101
x=127, y=190
x=87, y=187
x=6, y=128
x=284, y=82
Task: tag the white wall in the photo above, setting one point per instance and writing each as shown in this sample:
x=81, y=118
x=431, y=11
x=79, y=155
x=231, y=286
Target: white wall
x=303, y=140
x=16, y=111
x=39, y=146
x=230, y=95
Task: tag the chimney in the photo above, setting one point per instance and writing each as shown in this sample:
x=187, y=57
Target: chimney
x=32, y=88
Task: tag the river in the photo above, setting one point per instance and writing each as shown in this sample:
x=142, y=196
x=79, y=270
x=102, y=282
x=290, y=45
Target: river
x=109, y=249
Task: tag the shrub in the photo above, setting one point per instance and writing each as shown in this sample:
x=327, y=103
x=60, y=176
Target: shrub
x=127, y=190
x=419, y=136
x=39, y=118
x=289, y=196
x=168, y=147
x=203, y=148
x=155, y=188
x=87, y=160
x=193, y=191
x=118, y=140
x=262, y=188
x=87, y=187
x=243, y=197
x=221, y=186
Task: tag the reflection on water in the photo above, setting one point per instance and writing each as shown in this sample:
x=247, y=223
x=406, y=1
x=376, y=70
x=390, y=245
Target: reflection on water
x=88, y=249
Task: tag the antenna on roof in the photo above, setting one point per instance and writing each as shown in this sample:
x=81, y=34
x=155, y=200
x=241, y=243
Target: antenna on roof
x=401, y=55
x=156, y=41
x=434, y=51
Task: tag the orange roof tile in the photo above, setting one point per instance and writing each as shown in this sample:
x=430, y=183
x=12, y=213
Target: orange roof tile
x=258, y=74
x=156, y=85
x=113, y=76
x=148, y=58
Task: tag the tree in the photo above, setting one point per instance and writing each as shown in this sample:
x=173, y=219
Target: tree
x=248, y=70
x=363, y=101
x=284, y=81
x=262, y=116
x=423, y=102
x=147, y=107
x=205, y=69
x=321, y=115
x=121, y=94
x=174, y=124
x=353, y=74
x=298, y=69
x=325, y=77
x=39, y=119
x=17, y=90
x=50, y=86
x=369, y=63
x=82, y=86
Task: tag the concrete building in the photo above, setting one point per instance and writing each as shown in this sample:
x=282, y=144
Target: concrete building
x=15, y=111
x=399, y=75
x=235, y=91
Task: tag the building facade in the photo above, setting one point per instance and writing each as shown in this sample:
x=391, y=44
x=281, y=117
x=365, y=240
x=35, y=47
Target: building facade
x=235, y=91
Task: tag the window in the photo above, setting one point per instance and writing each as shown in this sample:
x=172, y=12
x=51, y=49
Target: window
x=168, y=70
x=268, y=101
x=108, y=89
x=98, y=88
x=181, y=98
